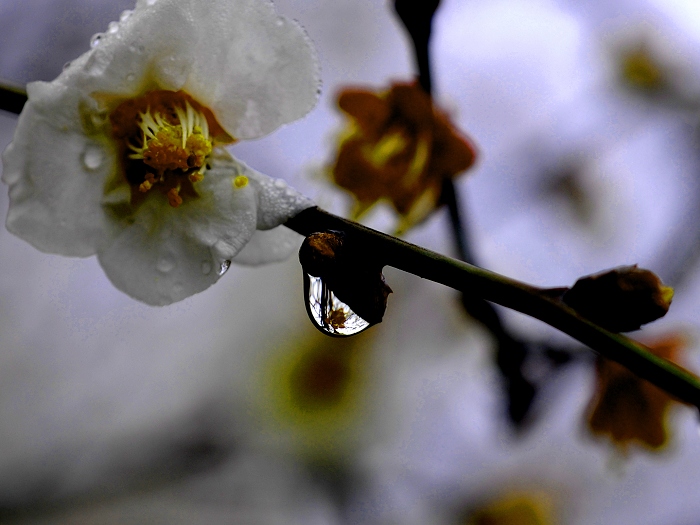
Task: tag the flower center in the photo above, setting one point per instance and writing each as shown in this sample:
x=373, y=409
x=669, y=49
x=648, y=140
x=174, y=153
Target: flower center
x=165, y=139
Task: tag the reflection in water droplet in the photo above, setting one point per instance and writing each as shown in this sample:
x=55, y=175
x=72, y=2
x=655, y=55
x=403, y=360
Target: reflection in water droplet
x=206, y=267
x=92, y=157
x=165, y=264
x=224, y=267
x=328, y=313
x=95, y=40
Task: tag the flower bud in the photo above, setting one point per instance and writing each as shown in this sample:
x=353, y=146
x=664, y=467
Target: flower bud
x=621, y=299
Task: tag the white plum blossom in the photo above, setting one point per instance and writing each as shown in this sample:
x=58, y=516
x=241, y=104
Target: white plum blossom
x=122, y=155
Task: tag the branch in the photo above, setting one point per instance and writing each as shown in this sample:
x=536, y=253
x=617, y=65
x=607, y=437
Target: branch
x=12, y=98
x=530, y=300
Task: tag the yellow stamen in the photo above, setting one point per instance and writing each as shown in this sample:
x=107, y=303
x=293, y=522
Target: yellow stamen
x=240, y=182
x=174, y=198
x=387, y=147
x=167, y=146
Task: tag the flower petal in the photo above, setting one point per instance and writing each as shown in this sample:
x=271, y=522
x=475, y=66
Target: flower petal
x=277, y=201
x=254, y=69
x=167, y=254
x=268, y=246
x=56, y=174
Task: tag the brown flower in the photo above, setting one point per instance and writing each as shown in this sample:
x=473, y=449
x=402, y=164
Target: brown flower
x=399, y=147
x=628, y=409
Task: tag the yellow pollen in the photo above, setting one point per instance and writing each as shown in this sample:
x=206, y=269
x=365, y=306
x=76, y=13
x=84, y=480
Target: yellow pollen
x=240, y=182
x=174, y=198
x=166, y=146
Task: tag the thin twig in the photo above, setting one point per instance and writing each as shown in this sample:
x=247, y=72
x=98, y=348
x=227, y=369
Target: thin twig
x=490, y=286
x=12, y=98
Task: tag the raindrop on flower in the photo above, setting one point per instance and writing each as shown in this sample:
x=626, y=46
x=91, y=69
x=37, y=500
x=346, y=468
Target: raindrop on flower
x=113, y=27
x=125, y=15
x=92, y=157
x=151, y=2
x=95, y=40
x=130, y=77
x=206, y=267
x=328, y=313
x=223, y=268
x=165, y=264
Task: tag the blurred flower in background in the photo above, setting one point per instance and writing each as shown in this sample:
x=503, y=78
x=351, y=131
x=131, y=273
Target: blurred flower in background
x=229, y=407
x=400, y=148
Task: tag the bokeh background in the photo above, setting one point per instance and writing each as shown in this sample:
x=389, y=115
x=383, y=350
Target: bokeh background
x=211, y=410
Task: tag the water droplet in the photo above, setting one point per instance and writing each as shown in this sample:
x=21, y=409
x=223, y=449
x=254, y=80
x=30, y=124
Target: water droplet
x=113, y=27
x=223, y=268
x=206, y=267
x=95, y=40
x=130, y=77
x=279, y=183
x=165, y=264
x=151, y=2
x=125, y=15
x=137, y=48
x=93, y=156
x=280, y=22
x=328, y=313
x=67, y=65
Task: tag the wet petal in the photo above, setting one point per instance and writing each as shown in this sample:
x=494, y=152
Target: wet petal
x=56, y=173
x=267, y=246
x=277, y=201
x=168, y=254
x=254, y=69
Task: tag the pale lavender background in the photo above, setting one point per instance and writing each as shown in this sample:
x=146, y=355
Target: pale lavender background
x=114, y=412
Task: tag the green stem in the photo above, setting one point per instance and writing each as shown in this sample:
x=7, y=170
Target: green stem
x=530, y=300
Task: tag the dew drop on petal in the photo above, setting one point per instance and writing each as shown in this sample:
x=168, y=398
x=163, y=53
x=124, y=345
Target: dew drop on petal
x=130, y=77
x=280, y=22
x=223, y=268
x=165, y=264
x=125, y=15
x=92, y=157
x=206, y=267
x=113, y=27
x=95, y=40
x=151, y=2
x=328, y=313
x=279, y=183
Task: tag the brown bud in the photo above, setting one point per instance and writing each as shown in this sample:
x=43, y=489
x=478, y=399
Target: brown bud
x=621, y=299
x=321, y=252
